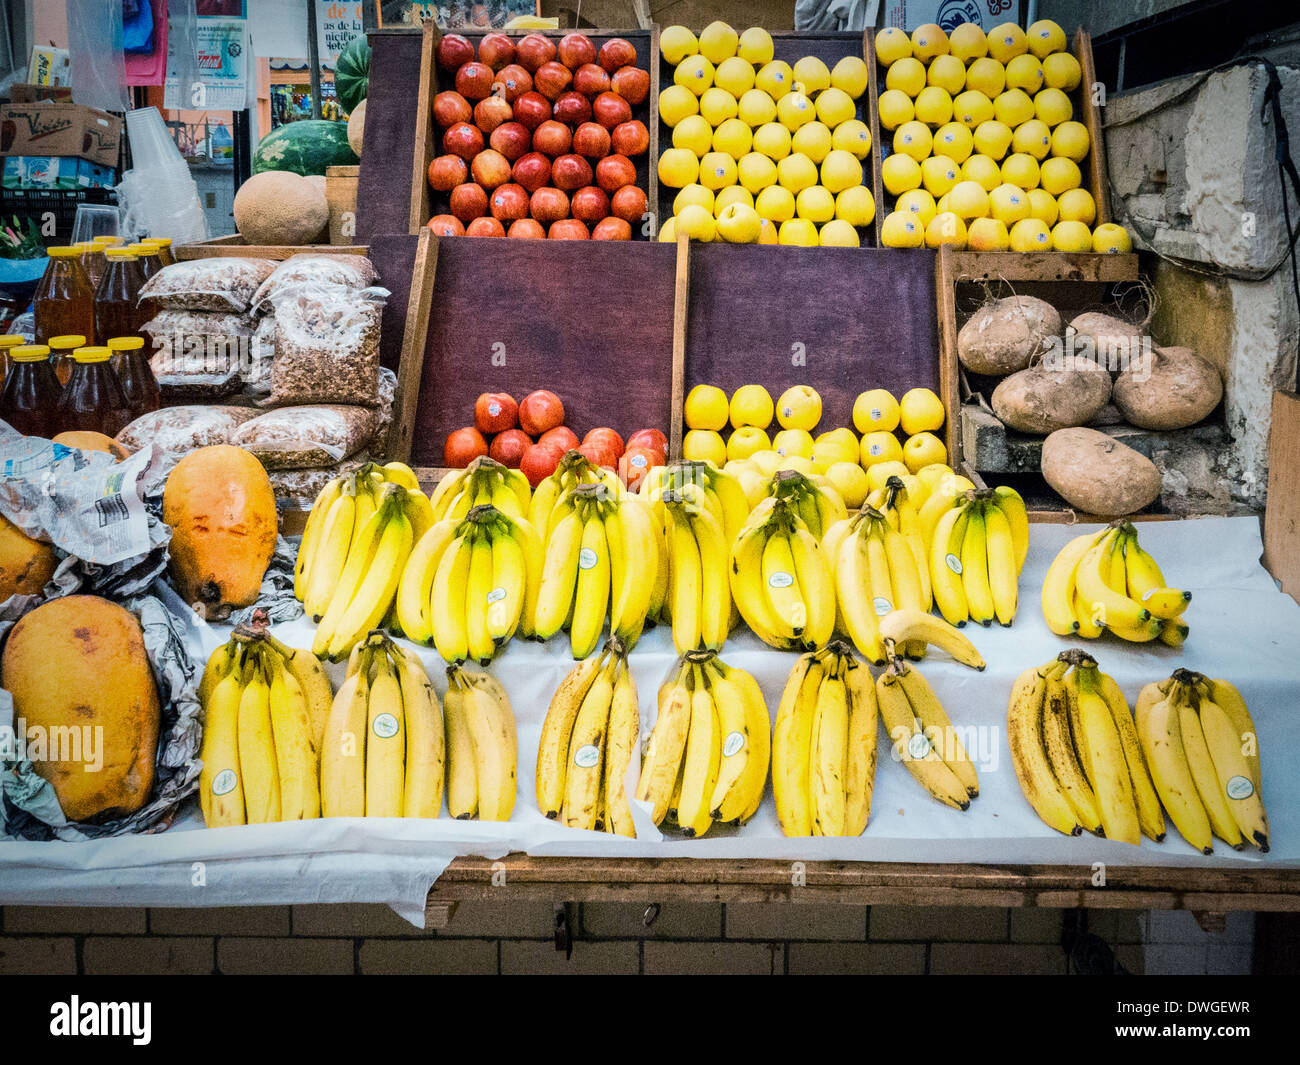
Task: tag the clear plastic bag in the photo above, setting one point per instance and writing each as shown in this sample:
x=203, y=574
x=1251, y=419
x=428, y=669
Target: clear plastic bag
x=326, y=344
x=179, y=430
x=350, y=271
x=217, y=284
x=301, y=437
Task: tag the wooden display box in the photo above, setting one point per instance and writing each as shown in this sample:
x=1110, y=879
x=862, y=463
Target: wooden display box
x=1086, y=110
x=218, y=247
x=790, y=46
x=1282, y=511
x=425, y=202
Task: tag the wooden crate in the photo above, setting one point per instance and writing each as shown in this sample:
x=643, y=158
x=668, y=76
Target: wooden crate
x=1072, y=283
x=235, y=244
x=425, y=202
x=1282, y=511
x=790, y=46
x=341, y=195
x=1086, y=110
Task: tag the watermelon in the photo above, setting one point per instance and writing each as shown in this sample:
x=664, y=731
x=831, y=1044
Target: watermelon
x=352, y=73
x=305, y=147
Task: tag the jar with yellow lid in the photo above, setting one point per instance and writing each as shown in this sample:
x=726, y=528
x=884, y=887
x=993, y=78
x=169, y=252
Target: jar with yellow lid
x=29, y=400
x=164, y=246
x=131, y=364
x=9, y=340
x=65, y=301
x=150, y=261
x=93, y=400
x=117, y=307
x=92, y=261
x=61, y=349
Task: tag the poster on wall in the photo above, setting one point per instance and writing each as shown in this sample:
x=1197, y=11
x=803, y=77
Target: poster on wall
x=222, y=62
x=454, y=14
x=336, y=24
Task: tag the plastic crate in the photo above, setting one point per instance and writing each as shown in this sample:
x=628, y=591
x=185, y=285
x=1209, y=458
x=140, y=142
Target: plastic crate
x=50, y=207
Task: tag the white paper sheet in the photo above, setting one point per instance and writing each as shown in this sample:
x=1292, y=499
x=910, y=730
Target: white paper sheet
x=1243, y=629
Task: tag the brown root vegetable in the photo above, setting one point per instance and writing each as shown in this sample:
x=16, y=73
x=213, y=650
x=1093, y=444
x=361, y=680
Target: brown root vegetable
x=1004, y=335
x=1176, y=389
x=1111, y=342
x=1045, y=398
x=1097, y=474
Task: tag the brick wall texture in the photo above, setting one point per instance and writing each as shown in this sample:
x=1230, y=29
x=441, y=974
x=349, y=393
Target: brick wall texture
x=518, y=937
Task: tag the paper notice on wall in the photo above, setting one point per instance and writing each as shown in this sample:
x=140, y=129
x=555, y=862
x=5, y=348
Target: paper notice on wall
x=222, y=55
x=947, y=13
x=336, y=25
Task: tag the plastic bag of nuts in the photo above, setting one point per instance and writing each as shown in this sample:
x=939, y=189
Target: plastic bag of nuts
x=326, y=344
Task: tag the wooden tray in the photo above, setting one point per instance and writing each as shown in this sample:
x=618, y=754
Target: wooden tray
x=425, y=202
x=236, y=245
x=790, y=46
x=1086, y=110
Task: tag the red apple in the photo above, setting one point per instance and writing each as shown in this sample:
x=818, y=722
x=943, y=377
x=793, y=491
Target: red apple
x=532, y=171
x=630, y=138
x=490, y=168
x=474, y=81
x=496, y=50
x=572, y=108
x=598, y=454
x=447, y=225
x=561, y=436
x=485, y=227
x=591, y=140
x=533, y=51
x=552, y=79
x=568, y=229
x=451, y=107
x=463, y=140
x=552, y=138
x=539, y=462
x=648, y=438
x=526, y=229
x=491, y=112
x=571, y=172
x=629, y=203
x=612, y=229
x=515, y=81
x=469, y=201
x=605, y=437
x=635, y=463
x=539, y=411
x=447, y=171
x=532, y=109
x=590, y=204
x=548, y=205
x=590, y=80
x=610, y=109
x=575, y=49
x=508, y=448
x=617, y=52
x=463, y=446
x=454, y=51
x=631, y=83
x=613, y=173
x=510, y=202
x=512, y=140
x=495, y=412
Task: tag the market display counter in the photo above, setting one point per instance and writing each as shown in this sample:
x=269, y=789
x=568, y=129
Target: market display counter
x=913, y=851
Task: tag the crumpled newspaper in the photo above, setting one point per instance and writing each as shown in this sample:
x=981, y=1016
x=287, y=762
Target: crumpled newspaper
x=29, y=808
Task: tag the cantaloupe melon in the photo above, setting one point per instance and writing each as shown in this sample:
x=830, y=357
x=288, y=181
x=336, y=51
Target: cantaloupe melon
x=357, y=127
x=280, y=207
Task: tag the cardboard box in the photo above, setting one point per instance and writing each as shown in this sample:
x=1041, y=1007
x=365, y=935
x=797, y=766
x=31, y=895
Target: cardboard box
x=24, y=93
x=49, y=66
x=40, y=172
x=56, y=129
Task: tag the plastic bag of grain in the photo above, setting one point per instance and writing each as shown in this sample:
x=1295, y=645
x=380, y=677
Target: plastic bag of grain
x=179, y=430
x=326, y=344
x=298, y=489
x=350, y=271
x=217, y=284
x=303, y=437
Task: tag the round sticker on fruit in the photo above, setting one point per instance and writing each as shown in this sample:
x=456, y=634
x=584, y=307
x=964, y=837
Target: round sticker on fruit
x=883, y=606
x=918, y=746
x=876, y=449
x=877, y=414
x=496, y=595
x=385, y=726
x=1240, y=788
x=494, y=408
x=224, y=782
x=780, y=579
x=733, y=744
x=639, y=461
x=953, y=563
x=586, y=558
x=586, y=756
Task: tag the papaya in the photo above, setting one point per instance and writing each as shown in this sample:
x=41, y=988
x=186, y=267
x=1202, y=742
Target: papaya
x=220, y=505
x=25, y=564
x=88, y=441
x=84, y=692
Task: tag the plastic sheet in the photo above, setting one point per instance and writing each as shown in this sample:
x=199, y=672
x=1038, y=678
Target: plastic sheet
x=95, y=45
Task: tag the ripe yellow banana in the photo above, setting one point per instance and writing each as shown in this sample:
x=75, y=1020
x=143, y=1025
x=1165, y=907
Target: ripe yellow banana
x=509, y=591
x=311, y=534
x=1204, y=774
x=491, y=724
x=792, y=737
x=343, y=749
x=975, y=568
x=557, y=728
x=1108, y=768
x=860, y=771
x=478, y=588
x=686, y=582
x=559, y=576
x=857, y=596
x=257, y=764
x=425, y=740
x=385, y=743
x=447, y=598
x=330, y=554
x=1029, y=756
x=946, y=565
x=703, y=752
x=620, y=745
x=816, y=587
x=937, y=727
x=1160, y=732
x=1003, y=570
x=914, y=626
x=295, y=755
x=1064, y=757
x=462, y=774
x=592, y=587
x=221, y=791
x=584, y=768
x=828, y=768
x=745, y=731
x=1008, y=501
x=1236, y=781
x=912, y=747
x=663, y=756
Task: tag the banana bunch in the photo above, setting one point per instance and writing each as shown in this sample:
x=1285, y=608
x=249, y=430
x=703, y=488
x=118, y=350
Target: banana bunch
x=482, y=751
x=812, y=497
x=876, y=571
x=1203, y=750
x=552, y=499
x=484, y=482
x=698, y=599
x=1105, y=582
x=824, y=745
x=471, y=583
x=591, y=731
x=781, y=578
x=719, y=491
x=262, y=705
x=601, y=559
x=1076, y=752
x=708, y=753
x=383, y=750
x=976, y=552
x=922, y=736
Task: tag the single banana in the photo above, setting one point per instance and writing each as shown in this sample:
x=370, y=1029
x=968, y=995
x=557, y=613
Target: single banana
x=686, y=583
x=946, y=565
x=781, y=586
x=311, y=535
x=792, y=737
x=221, y=790
x=591, y=589
x=1064, y=758
x=478, y=591
x=856, y=596
x=557, y=728
x=559, y=576
x=1151, y=816
x=330, y=554
x=1009, y=501
x=913, y=748
x=1160, y=732
x=715, y=591
x=975, y=568
x=509, y=592
x=1108, y=768
x=816, y=586
x=829, y=757
x=425, y=740
x=385, y=743
x=447, y=598
x=584, y=768
x=295, y=754
x=257, y=764
x=860, y=771
x=1003, y=571
x=1029, y=756
x=462, y=774
x=343, y=749
x=663, y=757
x=745, y=741
x=624, y=731
x=415, y=587
x=914, y=626
x=700, y=762
x=491, y=724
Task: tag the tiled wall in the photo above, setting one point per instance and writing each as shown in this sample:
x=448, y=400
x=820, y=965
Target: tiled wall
x=488, y=937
